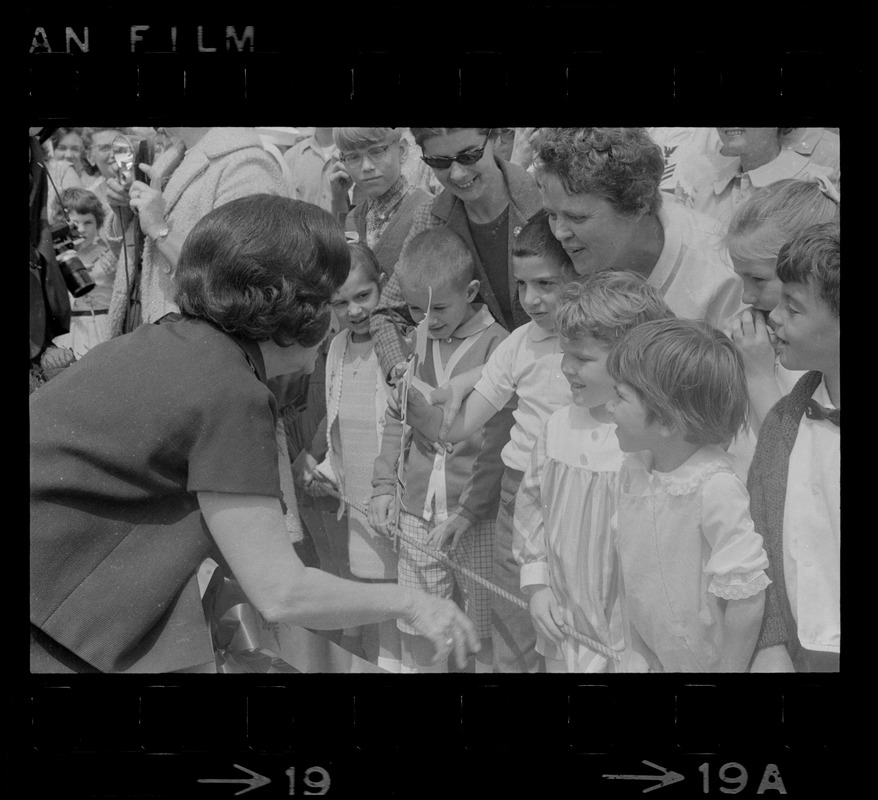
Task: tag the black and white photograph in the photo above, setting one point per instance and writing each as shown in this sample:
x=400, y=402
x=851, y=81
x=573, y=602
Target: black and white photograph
x=469, y=401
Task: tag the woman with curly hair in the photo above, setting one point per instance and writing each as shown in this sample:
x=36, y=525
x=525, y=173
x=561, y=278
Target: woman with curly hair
x=157, y=449
x=600, y=187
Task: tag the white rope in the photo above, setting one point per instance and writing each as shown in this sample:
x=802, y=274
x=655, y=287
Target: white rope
x=492, y=587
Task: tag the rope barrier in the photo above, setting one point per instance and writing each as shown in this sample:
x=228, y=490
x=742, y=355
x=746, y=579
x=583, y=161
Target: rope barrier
x=600, y=647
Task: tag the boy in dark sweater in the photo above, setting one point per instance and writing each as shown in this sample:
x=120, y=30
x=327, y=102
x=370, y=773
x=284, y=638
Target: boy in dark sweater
x=794, y=480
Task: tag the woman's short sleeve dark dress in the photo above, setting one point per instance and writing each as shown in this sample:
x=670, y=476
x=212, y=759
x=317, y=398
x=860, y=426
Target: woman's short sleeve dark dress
x=120, y=445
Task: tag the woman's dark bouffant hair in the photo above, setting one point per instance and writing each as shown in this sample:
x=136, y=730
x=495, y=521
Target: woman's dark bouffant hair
x=621, y=164
x=264, y=267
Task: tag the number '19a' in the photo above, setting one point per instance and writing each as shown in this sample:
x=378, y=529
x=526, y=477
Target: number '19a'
x=734, y=775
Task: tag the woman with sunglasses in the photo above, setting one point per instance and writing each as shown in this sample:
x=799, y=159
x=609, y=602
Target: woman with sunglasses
x=157, y=449
x=485, y=200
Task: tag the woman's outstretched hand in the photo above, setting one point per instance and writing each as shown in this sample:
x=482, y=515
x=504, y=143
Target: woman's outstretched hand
x=445, y=625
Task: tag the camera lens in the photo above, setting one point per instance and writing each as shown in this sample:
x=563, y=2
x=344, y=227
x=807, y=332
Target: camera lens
x=76, y=277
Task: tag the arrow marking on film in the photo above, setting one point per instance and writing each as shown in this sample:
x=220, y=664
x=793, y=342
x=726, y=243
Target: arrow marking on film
x=666, y=779
x=255, y=782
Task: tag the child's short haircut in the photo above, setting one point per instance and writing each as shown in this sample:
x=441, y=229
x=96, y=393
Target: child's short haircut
x=356, y=138
x=813, y=255
x=436, y=257
x=363, y=257
x=82, y=201
x=606, y=305
x=685, y=373
x=774, y=214
x=536, y=240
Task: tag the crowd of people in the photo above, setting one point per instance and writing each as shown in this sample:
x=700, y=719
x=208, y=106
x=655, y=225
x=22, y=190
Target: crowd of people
x=471, y=399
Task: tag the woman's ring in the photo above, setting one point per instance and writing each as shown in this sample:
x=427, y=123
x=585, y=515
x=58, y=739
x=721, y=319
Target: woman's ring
x=449, y=641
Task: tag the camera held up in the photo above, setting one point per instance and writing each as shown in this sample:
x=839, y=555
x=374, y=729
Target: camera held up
x=75, y=274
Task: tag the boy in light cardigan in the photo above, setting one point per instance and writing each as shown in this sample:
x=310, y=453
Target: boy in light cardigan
x=436, y=277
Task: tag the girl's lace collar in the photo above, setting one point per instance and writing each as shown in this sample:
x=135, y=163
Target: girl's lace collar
x=687, y=478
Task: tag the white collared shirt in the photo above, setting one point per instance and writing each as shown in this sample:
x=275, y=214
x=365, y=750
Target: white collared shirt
x=309, y=172
x=812, y=530
x=686, y=542
x=527, y=364
x=693, y=154
x=720, y=195
x=693, y=272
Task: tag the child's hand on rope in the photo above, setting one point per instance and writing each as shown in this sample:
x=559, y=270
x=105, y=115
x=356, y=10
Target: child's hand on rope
x=314, y=482
x=452, y=528
x=382, y=510
x=546, y=614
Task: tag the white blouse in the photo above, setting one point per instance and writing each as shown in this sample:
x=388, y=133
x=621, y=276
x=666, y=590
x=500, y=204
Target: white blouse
x=686, y=540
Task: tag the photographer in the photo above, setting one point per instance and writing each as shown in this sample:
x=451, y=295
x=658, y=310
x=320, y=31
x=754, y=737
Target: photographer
x=89, y=304
x=49, y=305
x=204, y=168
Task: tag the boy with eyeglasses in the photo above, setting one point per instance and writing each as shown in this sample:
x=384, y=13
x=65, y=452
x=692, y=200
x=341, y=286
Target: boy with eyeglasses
x=371, y=159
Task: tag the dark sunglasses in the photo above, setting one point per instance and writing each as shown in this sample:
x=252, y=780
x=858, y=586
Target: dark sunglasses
x=466, y=159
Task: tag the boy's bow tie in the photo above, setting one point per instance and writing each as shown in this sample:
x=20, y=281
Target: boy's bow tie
x=815, y=411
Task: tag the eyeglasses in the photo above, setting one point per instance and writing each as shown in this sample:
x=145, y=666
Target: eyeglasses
x=466, y=159
x=355, y=159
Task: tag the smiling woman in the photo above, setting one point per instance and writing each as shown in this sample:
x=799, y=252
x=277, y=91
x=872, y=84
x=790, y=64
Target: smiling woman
x=600, y=187
x=68, y=146
x=485, y=201
x=758, y=159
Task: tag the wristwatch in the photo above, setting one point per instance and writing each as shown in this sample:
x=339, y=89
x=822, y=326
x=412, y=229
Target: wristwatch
x=162, y=233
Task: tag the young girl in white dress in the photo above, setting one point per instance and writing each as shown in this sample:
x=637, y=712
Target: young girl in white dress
x=562, y=533
x=356, y=399
x=692, y=564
